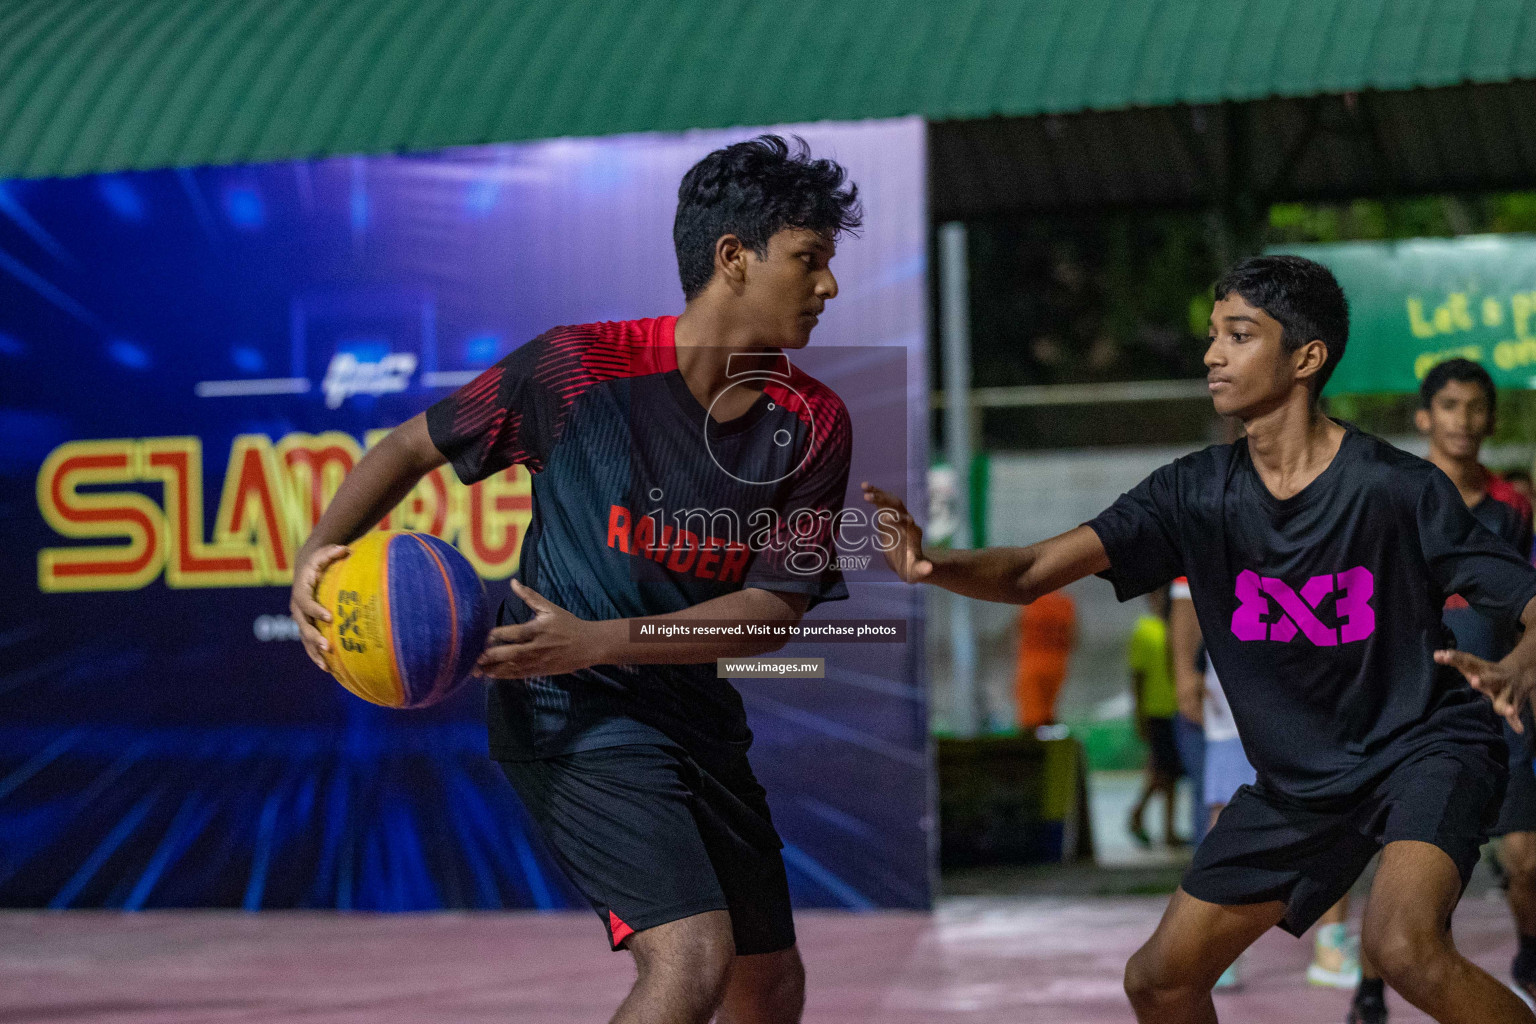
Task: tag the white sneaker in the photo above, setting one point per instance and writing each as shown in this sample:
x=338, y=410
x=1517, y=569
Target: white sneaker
x=1335, y=959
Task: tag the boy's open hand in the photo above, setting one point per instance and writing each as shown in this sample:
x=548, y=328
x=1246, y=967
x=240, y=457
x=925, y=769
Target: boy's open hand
x=1510, y=686
x=551, y=643
x=906, y=557
x=306, y=611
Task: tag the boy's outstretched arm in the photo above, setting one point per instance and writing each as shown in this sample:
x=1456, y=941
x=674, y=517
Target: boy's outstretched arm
x=1006, y=575
x=377, y=484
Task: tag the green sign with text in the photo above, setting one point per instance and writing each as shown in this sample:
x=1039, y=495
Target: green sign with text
x=1415, y=303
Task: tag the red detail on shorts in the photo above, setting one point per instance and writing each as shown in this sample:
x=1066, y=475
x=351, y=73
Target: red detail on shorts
x=618, y=929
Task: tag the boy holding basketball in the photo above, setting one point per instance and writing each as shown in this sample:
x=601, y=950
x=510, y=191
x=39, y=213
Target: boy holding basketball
x=631, y=756
x=1318, y=558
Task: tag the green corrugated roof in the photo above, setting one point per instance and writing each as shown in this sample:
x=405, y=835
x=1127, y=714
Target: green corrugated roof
x=91, y=85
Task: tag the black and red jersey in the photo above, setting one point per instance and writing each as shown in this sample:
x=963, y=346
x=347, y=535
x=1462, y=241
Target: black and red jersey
x=1501, y=490
x=1507, y=515
x=644, y=504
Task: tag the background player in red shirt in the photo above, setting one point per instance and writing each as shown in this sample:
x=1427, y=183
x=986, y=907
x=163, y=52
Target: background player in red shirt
x=1457, y=409
x=631, y=757
x=1457, y=402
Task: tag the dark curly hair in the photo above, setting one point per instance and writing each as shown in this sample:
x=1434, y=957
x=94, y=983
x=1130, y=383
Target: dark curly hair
x=1300, y=293
x=754, y=190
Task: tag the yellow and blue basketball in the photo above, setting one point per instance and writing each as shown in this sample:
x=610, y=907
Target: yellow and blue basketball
x=408, y=619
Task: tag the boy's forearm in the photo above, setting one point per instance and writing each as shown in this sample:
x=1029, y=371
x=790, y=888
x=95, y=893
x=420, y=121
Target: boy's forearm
x=752, y=605
x=378, y=483
x=986, y=574
x=1019, y=575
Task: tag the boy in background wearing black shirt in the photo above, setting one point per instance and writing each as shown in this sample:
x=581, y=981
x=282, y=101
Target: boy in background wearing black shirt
x=1318, y=558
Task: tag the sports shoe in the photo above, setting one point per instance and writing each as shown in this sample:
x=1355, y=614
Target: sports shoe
x=1367, y=1010
x=1335, y=959
x=1496, y=865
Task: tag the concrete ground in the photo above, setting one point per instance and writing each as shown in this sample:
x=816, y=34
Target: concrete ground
x=1045, y=943
x=980, y=959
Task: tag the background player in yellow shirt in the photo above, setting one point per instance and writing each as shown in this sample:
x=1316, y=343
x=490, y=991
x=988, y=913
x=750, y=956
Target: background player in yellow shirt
x=1156, y=703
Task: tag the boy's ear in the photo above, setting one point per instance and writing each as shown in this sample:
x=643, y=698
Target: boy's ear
x=1311, y=358
x=1421, y=420
x=731, y=258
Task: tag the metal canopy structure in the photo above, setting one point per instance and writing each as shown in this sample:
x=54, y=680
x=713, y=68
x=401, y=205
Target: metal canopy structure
x=1241, y=156
x=1036, y=103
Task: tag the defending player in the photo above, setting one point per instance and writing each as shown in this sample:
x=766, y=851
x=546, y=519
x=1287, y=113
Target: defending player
x=647, y=458
x=1457, y=402
x=1319, y=558
x=1457, y=406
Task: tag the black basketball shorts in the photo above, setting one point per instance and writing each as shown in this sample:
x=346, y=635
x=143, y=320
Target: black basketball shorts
x=1266, y=847
x=1518, y=813
x=650, y=837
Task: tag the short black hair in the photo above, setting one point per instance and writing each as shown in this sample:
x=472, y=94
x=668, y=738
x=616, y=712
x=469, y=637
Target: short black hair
x=1512, y=475
x=754, y=190
x=1463, y=370
x=1302, y=294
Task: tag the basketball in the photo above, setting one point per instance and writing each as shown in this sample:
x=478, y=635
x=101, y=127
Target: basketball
x=409, y=619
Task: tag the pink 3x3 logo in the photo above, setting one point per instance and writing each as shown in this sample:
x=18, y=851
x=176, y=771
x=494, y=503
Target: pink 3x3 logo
x=1298, y=613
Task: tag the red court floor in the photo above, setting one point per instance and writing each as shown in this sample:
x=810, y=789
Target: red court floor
x=1034, y=960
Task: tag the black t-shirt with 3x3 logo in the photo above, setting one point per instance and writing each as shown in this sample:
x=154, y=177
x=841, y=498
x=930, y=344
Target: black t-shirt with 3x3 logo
x=644, y=504
x=1322, y=611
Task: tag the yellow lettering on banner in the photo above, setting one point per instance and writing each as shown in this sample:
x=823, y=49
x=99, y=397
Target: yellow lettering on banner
x=1493, y=312
x=270, y=499
x=1522, y=305
x=500, y=508
x=96, y=515
x=1450, y=317
x=255, y=508
x=1420, y=327
x=1511, y=355
x=1459, y=311
x=177, y=462
x=1427, y=361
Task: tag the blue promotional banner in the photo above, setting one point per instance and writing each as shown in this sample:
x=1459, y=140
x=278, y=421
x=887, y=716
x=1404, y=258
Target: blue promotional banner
x=192, y=360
